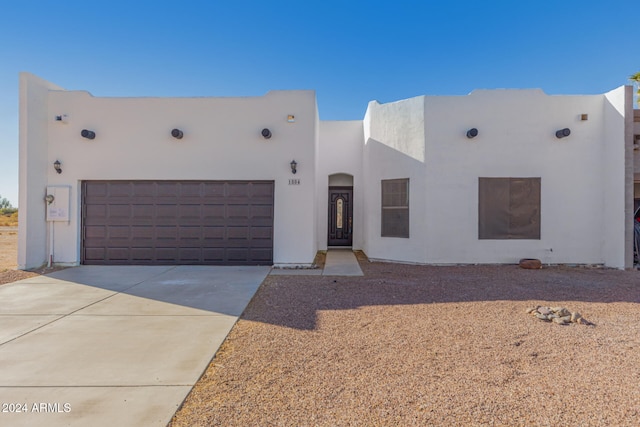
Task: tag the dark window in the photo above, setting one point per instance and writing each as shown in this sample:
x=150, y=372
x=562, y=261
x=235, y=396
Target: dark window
x=395, y=208
x=509, y=208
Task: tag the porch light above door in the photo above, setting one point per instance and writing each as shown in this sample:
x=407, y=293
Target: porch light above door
x=294, y=167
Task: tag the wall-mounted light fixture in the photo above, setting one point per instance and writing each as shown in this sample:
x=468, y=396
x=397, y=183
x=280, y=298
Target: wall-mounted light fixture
x=472, y=133
x=62, y=118
x=266, y=133
x=562, y=133
x=177, y=133
x=89, y=134
x=56, y=166
x=294, y=166
x=291, y=118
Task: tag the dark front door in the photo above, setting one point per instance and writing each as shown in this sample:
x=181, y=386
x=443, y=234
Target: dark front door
x=340, y=216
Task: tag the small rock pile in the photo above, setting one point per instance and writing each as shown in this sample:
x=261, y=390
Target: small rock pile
x=559, y=315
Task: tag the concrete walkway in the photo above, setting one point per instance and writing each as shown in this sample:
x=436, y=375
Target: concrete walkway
x=113, y=346
x=338, y=262
x=341, y=262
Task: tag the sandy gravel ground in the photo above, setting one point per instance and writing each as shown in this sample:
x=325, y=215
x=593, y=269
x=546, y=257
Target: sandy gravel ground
x=8, y=247
x=416, y=345
x=9, y=260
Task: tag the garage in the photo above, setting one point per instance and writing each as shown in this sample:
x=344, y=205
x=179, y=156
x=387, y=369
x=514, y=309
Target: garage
x=177, y=222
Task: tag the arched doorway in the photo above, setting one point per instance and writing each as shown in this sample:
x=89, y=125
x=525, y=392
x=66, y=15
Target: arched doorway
x=340, y=215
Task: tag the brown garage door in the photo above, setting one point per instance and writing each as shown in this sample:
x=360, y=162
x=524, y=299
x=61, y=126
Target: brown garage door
x=177, y=222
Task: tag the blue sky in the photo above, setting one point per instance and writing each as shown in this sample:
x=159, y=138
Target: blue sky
x=350, y=52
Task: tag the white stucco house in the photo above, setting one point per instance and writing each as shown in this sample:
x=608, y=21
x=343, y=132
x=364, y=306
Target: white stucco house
x=490, y=177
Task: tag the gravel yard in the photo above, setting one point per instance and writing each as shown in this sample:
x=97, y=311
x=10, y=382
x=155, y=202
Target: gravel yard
x=8, y=258
x=8, y=247
x=8, y=255
x=418, y=345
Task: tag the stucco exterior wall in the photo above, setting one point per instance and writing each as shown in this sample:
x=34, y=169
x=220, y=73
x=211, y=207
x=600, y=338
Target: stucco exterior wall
x=636, y=151
x=395, y=149
x=586, y=178
x=618, y=192
x=222, y=141
x=580, y=174
x=34, y=137
x=340, y=153
x=516, y=139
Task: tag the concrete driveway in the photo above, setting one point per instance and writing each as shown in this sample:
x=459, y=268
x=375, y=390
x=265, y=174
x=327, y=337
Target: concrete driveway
x=116, y=345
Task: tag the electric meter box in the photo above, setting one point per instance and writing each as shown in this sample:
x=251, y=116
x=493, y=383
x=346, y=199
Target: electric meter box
x=57, y=201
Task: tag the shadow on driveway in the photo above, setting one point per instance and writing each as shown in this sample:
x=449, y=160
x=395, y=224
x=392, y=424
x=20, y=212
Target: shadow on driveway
x=219, y=289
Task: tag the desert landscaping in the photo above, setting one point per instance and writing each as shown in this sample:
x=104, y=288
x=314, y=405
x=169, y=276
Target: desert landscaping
x=9, y=254
x=9, y=245
x=423, y=345
x=426, y=345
